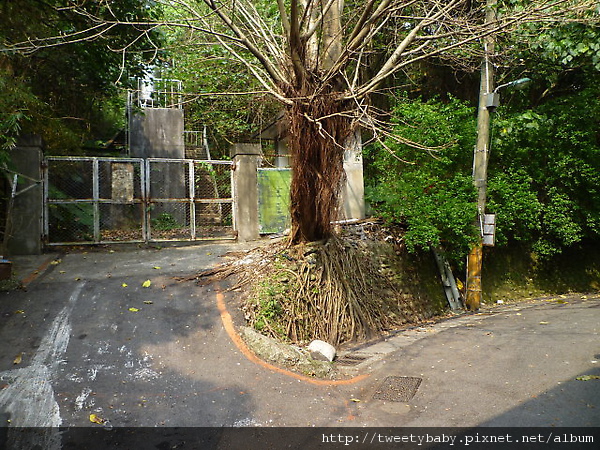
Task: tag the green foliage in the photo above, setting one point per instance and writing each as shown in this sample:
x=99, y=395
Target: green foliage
x=165, y=222
x=432, y=194
x=545, y=175
x=517, y=208
x=270, y=297
x=544, y=169
x=569, y=45
x=68, y=92
x=545, y=165
x=16, y=101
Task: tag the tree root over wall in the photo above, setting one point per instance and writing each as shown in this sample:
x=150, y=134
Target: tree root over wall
x=337, y=290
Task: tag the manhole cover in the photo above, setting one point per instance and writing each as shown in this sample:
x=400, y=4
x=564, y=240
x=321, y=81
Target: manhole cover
x=398, y=389
x=351, y=360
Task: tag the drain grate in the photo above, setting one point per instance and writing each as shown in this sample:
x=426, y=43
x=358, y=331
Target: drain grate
x=351, y=360
x=398, y=389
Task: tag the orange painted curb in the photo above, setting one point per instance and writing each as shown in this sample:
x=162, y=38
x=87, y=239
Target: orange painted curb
x=36, y=273
x=241, y=345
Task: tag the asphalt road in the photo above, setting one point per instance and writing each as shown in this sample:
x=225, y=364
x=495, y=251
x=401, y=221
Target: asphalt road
x=88, y=342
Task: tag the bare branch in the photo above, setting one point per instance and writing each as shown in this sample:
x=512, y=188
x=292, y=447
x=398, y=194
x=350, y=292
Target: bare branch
x=273, y=72
x=436, y=29
x=391, y=64
x=319, y=20
x=285, y=21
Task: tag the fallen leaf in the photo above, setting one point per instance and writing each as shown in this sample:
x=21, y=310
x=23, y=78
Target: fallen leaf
x=544, y=323
x=95, y=419
x=62, y=271
x=146, y=283
x=19, y=311
x=124, y=285
x=56, y=261
x=18, y=359
x=132, y=309
x=157, y=267
x=148, y=302
x=355, y=400
x=588, y=377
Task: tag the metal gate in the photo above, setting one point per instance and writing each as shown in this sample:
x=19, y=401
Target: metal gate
x=107, y=200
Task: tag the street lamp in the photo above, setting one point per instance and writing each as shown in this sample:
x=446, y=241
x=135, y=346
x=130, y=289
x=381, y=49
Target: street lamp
x=489, y=101
x=493, y=98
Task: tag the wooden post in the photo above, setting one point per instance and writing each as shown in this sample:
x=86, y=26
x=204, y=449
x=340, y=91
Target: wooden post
x=480, y=163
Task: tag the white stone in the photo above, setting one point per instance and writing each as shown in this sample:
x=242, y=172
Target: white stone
x=321, y=350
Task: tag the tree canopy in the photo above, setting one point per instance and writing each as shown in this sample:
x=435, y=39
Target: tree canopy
x=545, y=152
x=68, y=93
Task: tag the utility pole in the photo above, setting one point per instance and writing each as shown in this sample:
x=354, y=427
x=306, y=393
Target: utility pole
x=480, y=162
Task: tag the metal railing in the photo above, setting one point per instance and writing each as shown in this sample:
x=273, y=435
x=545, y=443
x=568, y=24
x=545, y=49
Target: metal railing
x=156, y=93
x=196, y=144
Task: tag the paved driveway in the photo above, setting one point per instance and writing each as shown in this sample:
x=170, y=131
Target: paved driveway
x=87, y=341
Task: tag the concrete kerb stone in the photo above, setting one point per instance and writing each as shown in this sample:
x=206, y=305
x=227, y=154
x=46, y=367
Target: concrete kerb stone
x=374, y=353
x=282, y=354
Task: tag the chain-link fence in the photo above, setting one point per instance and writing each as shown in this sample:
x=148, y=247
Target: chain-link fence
x=96, y=200
x=189, y=199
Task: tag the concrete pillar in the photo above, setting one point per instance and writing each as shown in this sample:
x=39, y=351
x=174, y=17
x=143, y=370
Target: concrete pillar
x=282, y=160
x=246, y=158
x=353, y=192
x=25, y=227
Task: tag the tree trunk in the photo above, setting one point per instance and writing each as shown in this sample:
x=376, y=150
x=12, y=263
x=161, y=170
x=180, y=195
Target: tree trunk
x=317, y=129
x=318, y=166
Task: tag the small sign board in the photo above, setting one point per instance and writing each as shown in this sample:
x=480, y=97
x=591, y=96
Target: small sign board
x=274, y=199
x=489, y=229
x=122, y=182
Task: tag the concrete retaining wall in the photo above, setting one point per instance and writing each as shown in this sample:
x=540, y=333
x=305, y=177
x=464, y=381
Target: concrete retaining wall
x=157, y=133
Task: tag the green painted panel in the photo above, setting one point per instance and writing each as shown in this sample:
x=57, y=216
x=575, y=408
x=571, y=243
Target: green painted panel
x=274, y=200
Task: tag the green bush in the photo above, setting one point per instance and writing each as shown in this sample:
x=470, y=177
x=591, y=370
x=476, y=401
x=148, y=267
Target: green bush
x=432, y=192
x=543, y=174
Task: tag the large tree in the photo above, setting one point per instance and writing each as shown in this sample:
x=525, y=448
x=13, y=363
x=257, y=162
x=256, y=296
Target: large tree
x=312, y=55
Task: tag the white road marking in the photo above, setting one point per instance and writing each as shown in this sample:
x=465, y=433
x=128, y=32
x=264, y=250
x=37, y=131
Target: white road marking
x=29, y=397
x=81, y=398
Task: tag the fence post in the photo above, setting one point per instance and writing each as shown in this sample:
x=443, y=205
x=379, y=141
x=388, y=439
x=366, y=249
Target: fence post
x=25, y=222
x=246, y=158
